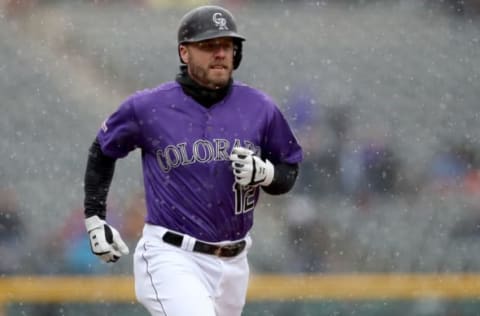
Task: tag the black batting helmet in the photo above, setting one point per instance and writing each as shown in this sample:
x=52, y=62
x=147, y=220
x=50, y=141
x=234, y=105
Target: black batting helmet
x=207, y=22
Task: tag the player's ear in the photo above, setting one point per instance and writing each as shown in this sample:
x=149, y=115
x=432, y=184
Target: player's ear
x=184, y=54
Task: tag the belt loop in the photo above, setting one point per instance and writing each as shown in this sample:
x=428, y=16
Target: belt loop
x=188, y=243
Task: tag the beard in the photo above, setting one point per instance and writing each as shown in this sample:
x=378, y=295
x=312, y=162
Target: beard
x=211, y=77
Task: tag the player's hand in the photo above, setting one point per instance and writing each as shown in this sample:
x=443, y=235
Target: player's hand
x=105, y=240
x=249, y=169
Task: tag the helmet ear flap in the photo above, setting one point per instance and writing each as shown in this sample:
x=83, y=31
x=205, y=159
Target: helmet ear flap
x=237, y=53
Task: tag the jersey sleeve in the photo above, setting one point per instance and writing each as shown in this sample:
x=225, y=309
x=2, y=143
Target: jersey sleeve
x=280, y=144
x=120, y=132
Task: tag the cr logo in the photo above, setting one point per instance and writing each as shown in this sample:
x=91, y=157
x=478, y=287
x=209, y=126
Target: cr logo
x=220, y=21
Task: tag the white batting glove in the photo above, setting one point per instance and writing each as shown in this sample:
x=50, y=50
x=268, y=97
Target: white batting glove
x=249, y=169
x=105, y=240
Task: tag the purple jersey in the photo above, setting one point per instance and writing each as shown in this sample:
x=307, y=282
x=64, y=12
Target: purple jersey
x=189, y=183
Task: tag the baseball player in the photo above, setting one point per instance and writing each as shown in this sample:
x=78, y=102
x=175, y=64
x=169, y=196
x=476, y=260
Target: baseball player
x=209, y=145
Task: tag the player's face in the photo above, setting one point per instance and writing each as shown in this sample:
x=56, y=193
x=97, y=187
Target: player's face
x=210, y=62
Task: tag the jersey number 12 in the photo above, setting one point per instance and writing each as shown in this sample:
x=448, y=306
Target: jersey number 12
x=244, y=198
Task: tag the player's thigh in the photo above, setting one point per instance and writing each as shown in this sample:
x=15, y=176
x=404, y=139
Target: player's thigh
x=167, y=283
x=234, y=287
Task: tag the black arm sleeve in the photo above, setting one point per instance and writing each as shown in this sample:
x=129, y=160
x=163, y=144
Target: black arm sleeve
x=98, y=177
x=283, y=179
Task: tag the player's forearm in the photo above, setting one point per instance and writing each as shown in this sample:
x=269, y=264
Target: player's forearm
x=283, y=179
x=98, y=177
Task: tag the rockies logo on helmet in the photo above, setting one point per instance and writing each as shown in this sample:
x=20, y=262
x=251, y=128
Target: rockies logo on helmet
x=219, y=21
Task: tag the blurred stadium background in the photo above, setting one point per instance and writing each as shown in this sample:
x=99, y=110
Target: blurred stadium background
x=383, y=95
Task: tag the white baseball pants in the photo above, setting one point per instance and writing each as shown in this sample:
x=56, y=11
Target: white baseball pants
x=174, y=281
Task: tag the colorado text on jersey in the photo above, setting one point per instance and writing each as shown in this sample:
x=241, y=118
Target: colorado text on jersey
x=201, y=151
